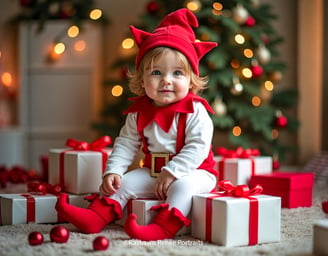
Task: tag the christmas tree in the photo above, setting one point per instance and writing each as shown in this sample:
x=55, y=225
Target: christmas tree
x=243, y=73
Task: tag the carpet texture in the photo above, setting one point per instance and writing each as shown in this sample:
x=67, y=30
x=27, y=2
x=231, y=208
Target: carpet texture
x=296, y=238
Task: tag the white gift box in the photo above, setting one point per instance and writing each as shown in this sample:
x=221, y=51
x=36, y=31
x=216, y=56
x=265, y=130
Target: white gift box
x=141, y=207
x=320, y=237
x=229, y=221
x=240, y=170
x=20, y=209
x=82, y=170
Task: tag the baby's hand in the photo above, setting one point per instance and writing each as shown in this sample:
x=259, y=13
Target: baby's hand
x=110, y=184
x=164, y=180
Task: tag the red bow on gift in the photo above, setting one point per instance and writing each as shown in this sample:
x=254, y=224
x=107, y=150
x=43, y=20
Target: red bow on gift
x=239, y=152
x=239, y=191
x=43, y=188
x=97, y=145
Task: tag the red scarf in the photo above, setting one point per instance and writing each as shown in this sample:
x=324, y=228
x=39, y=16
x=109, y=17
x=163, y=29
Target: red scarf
x=163, y=116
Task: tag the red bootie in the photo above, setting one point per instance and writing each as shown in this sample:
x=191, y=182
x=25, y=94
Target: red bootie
x=325, y=206
x=164, y=226
x=93, y=219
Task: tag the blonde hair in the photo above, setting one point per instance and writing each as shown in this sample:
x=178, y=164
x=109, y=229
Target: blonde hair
x=198, y=83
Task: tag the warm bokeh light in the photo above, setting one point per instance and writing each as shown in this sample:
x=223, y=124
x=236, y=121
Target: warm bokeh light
x=248, y=53
x=236, y=131
x=256, y=101
x=73, y=31
x=80, y=45
x=6, y=79
x=95, y=14
x=59, y=48
x=193, y=6
x=275, y=134
x=269, y=85
x=117, y=90
x=247, y=72
x=235, y=63
x=239, y=38
x=217, y=6
x=127, y=43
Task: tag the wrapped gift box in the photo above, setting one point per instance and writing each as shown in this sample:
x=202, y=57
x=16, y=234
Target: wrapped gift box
x=240, y=170
x=27, y=207
x=81, y=171
x=141, y=207
x=236, y=221
x=294, y=188
x=320, y=237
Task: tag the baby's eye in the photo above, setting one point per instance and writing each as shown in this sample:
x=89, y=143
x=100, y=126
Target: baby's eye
x=155, y=72
x=178, y=73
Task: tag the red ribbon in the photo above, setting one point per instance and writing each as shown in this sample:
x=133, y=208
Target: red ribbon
x=239, y=152
x=42, y=188
x=242, y=191
x=76, y=145
x=30, y=208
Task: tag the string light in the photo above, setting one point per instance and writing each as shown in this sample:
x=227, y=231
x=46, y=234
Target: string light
x=6, y=79
x=239, y=38
x=275, y=134
x=235, y=63
x=127, y=43
x=236, y=131
x=193, y=6
x=269, y=85
x=247, y=72
x=217, y=6
x=95, y=14
x=59, y=48
x=73, y=31
x=248, y=53
x=80, y=45
x=117, y=90
x=256, y=101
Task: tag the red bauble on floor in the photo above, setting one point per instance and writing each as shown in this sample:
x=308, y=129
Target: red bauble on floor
x=100, y=243
x=59, y=234
x=35, y=238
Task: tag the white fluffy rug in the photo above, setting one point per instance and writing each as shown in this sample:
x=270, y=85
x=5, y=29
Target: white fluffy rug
x=296, y=239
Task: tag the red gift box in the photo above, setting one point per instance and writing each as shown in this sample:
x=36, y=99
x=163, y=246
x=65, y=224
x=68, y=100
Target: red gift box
x=294, y=188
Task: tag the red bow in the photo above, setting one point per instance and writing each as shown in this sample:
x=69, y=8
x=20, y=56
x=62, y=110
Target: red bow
x=43, y=188
x=239, y=191
x=96, y=145
x=239, y=152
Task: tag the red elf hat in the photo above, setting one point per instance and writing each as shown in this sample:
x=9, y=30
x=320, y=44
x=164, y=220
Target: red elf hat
x=175, y=31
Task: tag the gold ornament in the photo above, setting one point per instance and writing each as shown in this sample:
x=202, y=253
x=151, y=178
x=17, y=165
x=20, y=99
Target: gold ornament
x=240, y=14
x=219, y=107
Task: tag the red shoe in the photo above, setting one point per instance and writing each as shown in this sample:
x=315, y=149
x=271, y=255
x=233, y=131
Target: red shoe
x=164, y=226
x=94, y=218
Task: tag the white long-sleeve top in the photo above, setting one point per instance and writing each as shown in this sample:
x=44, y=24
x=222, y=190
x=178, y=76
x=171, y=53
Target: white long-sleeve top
x=198, y=139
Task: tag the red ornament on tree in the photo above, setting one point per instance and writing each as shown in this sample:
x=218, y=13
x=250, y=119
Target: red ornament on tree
x=275, y=165
x=152, y=7
x=250, y=22
x=59, y=234
x=100, y=243
x=35, y=238
x=281, y=121
x=257, y=70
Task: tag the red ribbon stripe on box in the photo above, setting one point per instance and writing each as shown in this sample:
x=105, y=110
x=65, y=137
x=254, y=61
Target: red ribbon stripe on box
x=76, y=145
x=30, y=208
x=242, y=191
x=237, y=153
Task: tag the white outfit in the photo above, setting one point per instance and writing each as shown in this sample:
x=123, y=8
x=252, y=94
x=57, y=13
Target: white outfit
x=183, y=166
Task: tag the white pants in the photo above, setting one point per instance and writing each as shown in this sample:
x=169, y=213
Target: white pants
x=139, y=184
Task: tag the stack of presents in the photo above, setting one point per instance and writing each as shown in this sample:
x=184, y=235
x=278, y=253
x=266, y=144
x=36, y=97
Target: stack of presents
x=245, y=209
